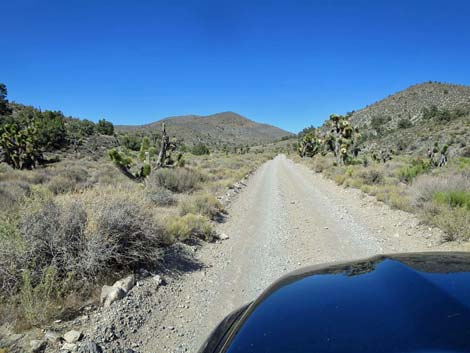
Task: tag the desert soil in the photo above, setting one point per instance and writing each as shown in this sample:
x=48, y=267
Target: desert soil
x=287, y=217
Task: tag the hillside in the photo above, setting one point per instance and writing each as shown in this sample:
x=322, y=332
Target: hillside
x=412, y=120
x=218, y=129
x=410, y=103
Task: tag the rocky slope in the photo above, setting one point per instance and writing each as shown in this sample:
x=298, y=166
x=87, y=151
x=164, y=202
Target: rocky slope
x=217, y=129
x=409, y=103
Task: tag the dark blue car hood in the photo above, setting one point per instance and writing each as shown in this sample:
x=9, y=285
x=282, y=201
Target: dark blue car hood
x=398, y=303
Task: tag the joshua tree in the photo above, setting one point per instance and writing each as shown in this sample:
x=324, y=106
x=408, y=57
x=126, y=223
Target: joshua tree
x=19, y=145
x=310, y=144
x=434, y=159
x=342, y=139
x=167, y=147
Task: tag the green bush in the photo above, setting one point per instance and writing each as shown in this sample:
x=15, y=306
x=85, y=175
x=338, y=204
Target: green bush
x=105, y=127
x=404, y=124
x=200, y=149
x=417, y=167
x=37, y=300
x=131, y=142
x=454, y=199
x=51, y=129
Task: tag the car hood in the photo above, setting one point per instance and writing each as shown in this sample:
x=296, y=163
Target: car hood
x=396, y=303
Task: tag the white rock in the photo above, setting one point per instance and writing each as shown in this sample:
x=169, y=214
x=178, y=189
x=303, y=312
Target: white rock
x=159, y=280
x=52, y=336
x=125, y=284
x=37, y=345
x=110, y=294
x=222, y=236
x=72, y=336
x=69, y=347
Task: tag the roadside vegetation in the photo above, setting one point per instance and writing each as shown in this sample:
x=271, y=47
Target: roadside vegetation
x=423, y=171
x=79, y=208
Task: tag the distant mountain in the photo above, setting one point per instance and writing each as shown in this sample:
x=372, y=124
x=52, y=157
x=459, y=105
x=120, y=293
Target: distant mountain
x=410, y=103
x=216, y=130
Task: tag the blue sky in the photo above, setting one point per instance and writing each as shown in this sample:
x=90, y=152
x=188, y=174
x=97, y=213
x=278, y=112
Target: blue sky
x=287, y=63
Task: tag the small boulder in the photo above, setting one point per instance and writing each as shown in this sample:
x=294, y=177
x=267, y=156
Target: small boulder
x=222, y=236
x=52, y=336
x=37, y=346
x=110, y=294
x=72, y=336
x=69, y=347
x=126, y=284
x=159, y=280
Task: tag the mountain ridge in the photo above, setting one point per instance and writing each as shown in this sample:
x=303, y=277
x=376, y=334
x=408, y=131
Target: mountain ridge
x=227, y=127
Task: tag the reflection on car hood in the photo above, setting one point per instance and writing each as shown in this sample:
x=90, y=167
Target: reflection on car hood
x=399, y=303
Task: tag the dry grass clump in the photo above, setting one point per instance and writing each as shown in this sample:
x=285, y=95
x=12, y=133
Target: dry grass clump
x=320, y=164
x=161, y=197
x=12, y=192
x=444, y=201
x=182, y=228
x=176, y=180
x=371, y=176
x=202, y=204
x=426, y=187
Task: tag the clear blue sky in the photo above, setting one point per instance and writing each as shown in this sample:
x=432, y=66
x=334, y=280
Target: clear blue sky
x=289, y=63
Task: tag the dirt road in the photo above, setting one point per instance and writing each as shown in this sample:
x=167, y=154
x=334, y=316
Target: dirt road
x=286, y=218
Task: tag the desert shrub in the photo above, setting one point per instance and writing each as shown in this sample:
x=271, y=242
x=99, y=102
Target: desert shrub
x=200, y=149
x=319, y=165
x=372, y=177
x=444, y=201
x=454, y=198
x=404, y=124
x=354, y=183
x=417, y=167
x=182, y=228
x=54, y=234
x=339, y=179
x=60, y=184
x=104, y=127
x=426, y=187
x=465, y=152
x=38, y=300
x=205, y=204
x=176, y=180
x=113, y=233
x=12, y=249
x=453, y=221
x=11, y=193
x=400, y=201
x=121, y=236
x=161, y=197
